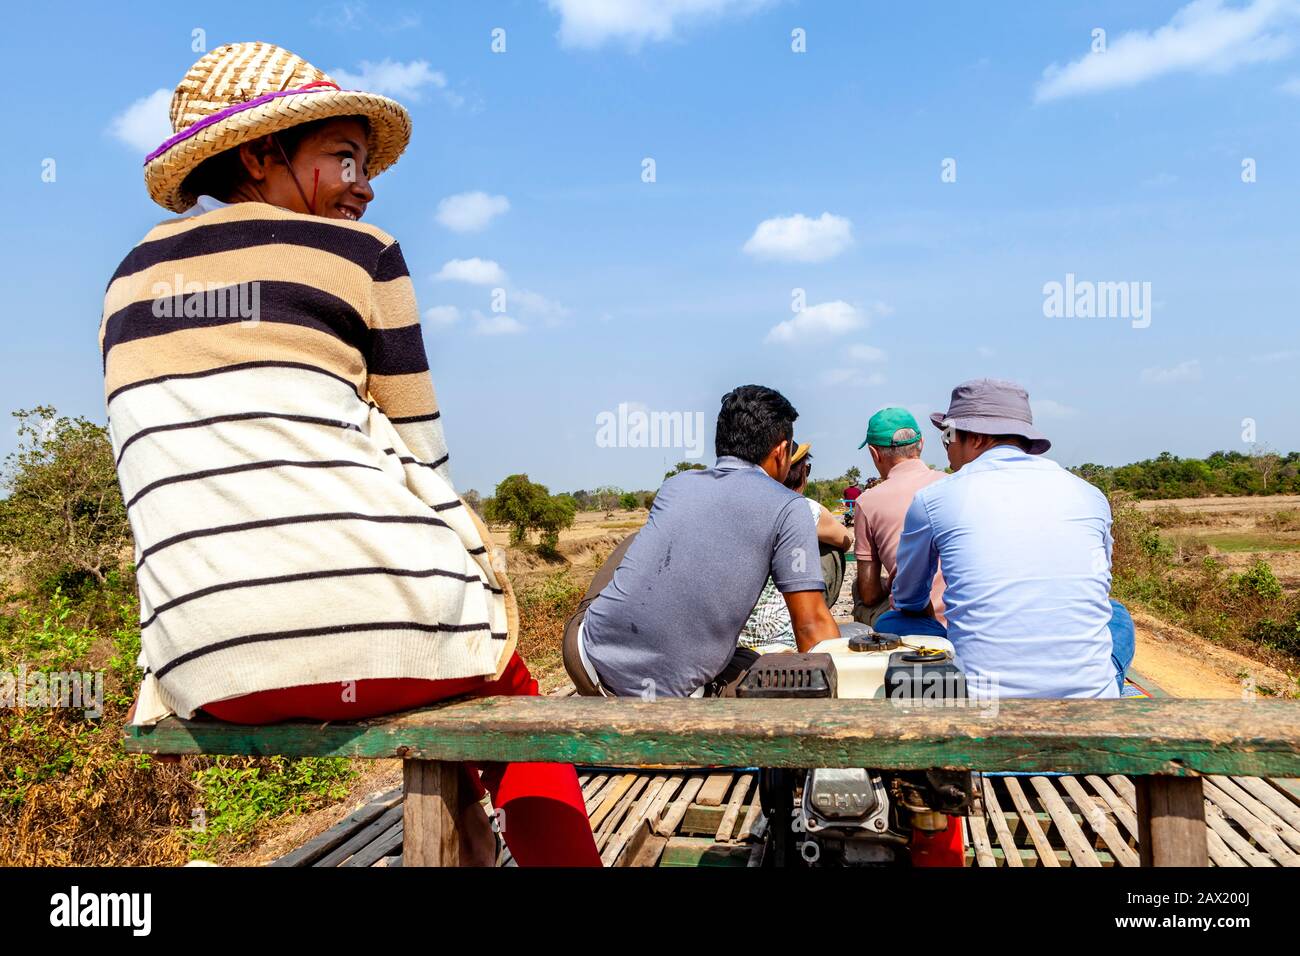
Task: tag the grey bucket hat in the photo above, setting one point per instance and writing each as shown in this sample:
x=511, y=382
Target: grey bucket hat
x=990, y=406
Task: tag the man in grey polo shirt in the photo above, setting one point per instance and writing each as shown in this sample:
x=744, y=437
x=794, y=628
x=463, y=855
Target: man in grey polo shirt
x=666, y=622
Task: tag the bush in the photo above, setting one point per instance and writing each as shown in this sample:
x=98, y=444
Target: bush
x=64, y=518
x=543, y=609
x=525, y=507
x=1258, y=582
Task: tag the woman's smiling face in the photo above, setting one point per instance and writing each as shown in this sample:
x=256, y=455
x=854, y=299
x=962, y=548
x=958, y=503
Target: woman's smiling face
x=326, y=175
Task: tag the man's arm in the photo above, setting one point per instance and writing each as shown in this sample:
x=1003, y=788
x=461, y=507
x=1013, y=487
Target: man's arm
x=868, y=583
x=810, y=618
x=832, y=532
x=918, y=559
x=796, y=572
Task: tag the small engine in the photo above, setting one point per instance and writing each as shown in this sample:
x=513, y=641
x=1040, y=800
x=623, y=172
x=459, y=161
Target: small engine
x=858, y=816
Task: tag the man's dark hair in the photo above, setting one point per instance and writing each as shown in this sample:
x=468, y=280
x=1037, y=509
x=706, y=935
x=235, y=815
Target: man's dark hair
x=217, y=176
x=798, y=473
x=752, y=422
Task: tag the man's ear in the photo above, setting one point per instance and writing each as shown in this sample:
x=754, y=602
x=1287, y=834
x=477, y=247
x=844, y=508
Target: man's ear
x=257, y=156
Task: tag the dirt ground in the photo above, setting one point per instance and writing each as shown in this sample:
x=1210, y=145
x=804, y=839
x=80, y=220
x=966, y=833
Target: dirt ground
x=1246, y=504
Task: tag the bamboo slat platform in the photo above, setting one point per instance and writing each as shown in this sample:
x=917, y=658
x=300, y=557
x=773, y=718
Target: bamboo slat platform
x=644, y=817
x=712, y=818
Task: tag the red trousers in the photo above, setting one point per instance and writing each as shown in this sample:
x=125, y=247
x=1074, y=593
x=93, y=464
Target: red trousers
x=544, y=818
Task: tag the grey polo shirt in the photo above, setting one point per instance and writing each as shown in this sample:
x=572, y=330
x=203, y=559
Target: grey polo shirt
x=668, y=621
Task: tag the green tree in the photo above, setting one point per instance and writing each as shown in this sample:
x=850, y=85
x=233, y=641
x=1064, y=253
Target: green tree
x=526, y=506
x=63, y=517
x=682, y=466
x=630, y=500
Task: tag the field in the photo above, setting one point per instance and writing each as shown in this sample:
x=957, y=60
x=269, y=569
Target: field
x=1237, y=531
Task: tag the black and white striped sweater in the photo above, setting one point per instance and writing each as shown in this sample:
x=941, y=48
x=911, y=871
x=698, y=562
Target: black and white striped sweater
x=281, y=454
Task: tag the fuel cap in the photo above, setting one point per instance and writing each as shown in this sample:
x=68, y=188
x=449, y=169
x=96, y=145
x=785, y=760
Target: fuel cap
x=874, y=641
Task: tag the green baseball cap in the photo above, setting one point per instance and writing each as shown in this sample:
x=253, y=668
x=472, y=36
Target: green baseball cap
x=883, y=425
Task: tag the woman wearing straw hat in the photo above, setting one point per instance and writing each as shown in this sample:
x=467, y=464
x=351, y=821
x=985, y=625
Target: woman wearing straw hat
x=301, y=551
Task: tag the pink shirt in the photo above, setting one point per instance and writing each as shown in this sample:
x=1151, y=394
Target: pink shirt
x=878, y=520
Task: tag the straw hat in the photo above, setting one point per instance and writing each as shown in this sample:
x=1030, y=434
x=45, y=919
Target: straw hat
x=241, y=91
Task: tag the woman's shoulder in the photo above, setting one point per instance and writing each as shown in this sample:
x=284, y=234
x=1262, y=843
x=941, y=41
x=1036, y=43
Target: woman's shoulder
x=239, y=213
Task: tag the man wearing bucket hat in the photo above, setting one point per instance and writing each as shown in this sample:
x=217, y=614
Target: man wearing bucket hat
x=1025, y=548
x=301, y=549
x=895, y=443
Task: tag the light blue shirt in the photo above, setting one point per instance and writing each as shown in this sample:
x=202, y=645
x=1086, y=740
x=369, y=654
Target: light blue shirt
x=1025, y=548
x=205, y=203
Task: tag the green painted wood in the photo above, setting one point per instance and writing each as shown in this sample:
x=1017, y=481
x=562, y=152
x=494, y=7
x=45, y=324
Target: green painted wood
x=701, y=851
x=1137, y=736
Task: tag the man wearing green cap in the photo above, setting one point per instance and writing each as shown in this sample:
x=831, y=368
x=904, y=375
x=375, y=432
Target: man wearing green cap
x=895, y=441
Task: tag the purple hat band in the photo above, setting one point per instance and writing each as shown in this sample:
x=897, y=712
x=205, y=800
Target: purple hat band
x=318, y=86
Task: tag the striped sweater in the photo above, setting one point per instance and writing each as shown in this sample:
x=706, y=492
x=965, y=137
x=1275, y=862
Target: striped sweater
x=281, y=455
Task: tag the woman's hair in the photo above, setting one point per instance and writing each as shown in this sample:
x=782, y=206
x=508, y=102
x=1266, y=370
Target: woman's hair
x=752, y=422
x=219, y=175
x=799, y=472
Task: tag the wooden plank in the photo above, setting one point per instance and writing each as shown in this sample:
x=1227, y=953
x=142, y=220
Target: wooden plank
x=1171, y=821
x=714, y=789
x=614, y=793
x=1220, y=854
x=702, y=851
x=389, y=841
x=363, y=837
x=1100, y=823
x=1261, y=833
x=1138, y=736
x=728, y=824
x=612, y=821
x=1289, y=788
x=701, y=821
x=644, y=848
x=1223, y=844
x=430, y=810
x=1259, y=809
x=1277, y=800
x=751, y=816
x=669, y=790
x=592, y=787
x=633, y=820
x=322, y=843
x=979, y=837
x=668, y=825
x=993, y=811
x=1124, y=813
x=1081, y=852
x=1222, y=827
x=1046, y=854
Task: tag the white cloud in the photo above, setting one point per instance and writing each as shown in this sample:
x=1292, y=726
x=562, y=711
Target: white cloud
x=1291, y=86
x=145, y=124
x=470, y=212
x=824, y=320
x=403, y=81
x=865, y=353
x=591, y=23
x=495, y=324
x=1205, y=36
x=985, y=351
x=839, y=377
x=442, y=315
x=1047, y=408
x=798, y=238
x=475, y=271
x=1189, y=371
x=531, y=303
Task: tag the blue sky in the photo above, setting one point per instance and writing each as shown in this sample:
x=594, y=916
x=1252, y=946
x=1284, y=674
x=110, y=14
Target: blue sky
x=774, y=171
